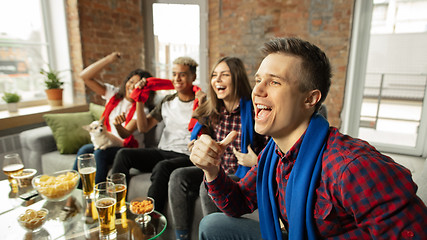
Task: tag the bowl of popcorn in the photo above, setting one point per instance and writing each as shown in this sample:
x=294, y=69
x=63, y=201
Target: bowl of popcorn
x=57, y=186
x=33, y=220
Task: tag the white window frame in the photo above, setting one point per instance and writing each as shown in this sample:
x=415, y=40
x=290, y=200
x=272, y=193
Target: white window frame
x=54, y=20
x=203, y=48
x=359, y=46
x=351, y=111
x=57, y=36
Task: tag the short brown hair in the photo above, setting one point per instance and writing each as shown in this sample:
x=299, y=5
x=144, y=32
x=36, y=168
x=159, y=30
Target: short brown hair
x=315, y=67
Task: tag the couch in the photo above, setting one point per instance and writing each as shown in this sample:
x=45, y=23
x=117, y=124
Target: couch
x=40, y=151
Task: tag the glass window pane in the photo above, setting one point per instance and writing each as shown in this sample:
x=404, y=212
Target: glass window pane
x=21, y=20
x=23, y=48
x=173, y=39
x=19, y=70
x=396, y=77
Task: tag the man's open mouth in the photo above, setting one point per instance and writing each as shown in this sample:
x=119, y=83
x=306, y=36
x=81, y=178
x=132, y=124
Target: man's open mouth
x=262, y=111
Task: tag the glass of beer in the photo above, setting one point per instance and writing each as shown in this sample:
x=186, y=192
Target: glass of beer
x=87, y=169
x=119, y=180
x=12, y=164
x=105, y=202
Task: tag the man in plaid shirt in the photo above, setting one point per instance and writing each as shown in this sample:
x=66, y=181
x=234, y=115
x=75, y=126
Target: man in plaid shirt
x=359, y=193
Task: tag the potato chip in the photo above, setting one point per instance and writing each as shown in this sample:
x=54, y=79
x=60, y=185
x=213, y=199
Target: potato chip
x=57, y=187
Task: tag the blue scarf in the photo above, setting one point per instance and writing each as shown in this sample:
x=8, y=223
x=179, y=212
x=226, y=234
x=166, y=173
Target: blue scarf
x=247, y=135
x=195, y=132
x=301, y=187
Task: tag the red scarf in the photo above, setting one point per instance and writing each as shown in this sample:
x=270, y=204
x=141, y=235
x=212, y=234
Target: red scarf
x=138, y=95
x=153, y=84
x=114, y=101
x=193, y=121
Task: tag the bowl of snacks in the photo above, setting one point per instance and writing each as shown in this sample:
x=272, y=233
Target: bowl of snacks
x=57, y=186
x=33, y=220
x=142, y=207
x=25, y=177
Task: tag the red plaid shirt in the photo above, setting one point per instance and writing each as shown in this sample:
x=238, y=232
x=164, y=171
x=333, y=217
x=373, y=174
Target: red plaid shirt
x=362, y=194
x=229, y=121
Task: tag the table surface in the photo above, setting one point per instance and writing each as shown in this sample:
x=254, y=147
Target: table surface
x=74, y=227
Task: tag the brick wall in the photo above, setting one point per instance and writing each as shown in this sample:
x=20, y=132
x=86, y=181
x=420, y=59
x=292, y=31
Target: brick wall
x=236, y=27
x=99, y=27
x=239, y=27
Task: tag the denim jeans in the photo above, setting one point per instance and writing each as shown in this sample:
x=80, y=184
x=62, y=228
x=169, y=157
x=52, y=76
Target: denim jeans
x=218, y=226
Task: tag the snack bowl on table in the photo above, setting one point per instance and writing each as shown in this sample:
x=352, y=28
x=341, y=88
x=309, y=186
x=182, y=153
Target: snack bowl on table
x=57, y=186
x=25, y=177
x=33, y=220
x=142, y=206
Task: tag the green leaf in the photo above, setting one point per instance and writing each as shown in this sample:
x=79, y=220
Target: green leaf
x=11, y=97
x=52, y=81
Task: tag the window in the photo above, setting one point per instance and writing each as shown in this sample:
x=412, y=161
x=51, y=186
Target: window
x=387, y=76
x=29, y=41
x=172, y=39
x=185, y=35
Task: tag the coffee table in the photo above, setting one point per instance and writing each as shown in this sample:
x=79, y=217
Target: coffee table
x=73, y=227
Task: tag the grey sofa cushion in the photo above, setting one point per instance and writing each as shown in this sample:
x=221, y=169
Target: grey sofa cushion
x=55, y=161
x=35, y=143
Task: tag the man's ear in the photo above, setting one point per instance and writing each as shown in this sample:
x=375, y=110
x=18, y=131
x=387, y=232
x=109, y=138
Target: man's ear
x=313, y=98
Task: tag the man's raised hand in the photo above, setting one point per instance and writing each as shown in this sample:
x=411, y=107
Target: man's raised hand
x=206, y=153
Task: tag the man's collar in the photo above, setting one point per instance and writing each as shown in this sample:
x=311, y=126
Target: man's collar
x=292, y=154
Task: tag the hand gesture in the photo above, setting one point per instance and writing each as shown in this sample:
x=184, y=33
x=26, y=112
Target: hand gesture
x=141, y=83
x=190, y=145
x=114, y=56
x=246, y=159
x=121, y=118
x=206, y=153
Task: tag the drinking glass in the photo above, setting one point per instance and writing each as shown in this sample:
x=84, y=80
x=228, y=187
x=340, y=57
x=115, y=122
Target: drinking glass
x=87, y=169
x=105, y=202
x=119, y=180
x=12, y=164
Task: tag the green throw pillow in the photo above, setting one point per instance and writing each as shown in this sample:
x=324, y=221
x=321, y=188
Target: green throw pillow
x=67, y=130
x=96, y=110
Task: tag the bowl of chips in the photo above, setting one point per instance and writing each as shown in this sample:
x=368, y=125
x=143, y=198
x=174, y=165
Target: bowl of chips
x=33, y=220
x=57, y=186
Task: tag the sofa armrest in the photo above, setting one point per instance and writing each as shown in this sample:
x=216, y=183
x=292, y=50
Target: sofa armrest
x=35, y=142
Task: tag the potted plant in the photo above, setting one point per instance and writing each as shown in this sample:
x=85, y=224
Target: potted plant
x=12, y=100
x=53, y=85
